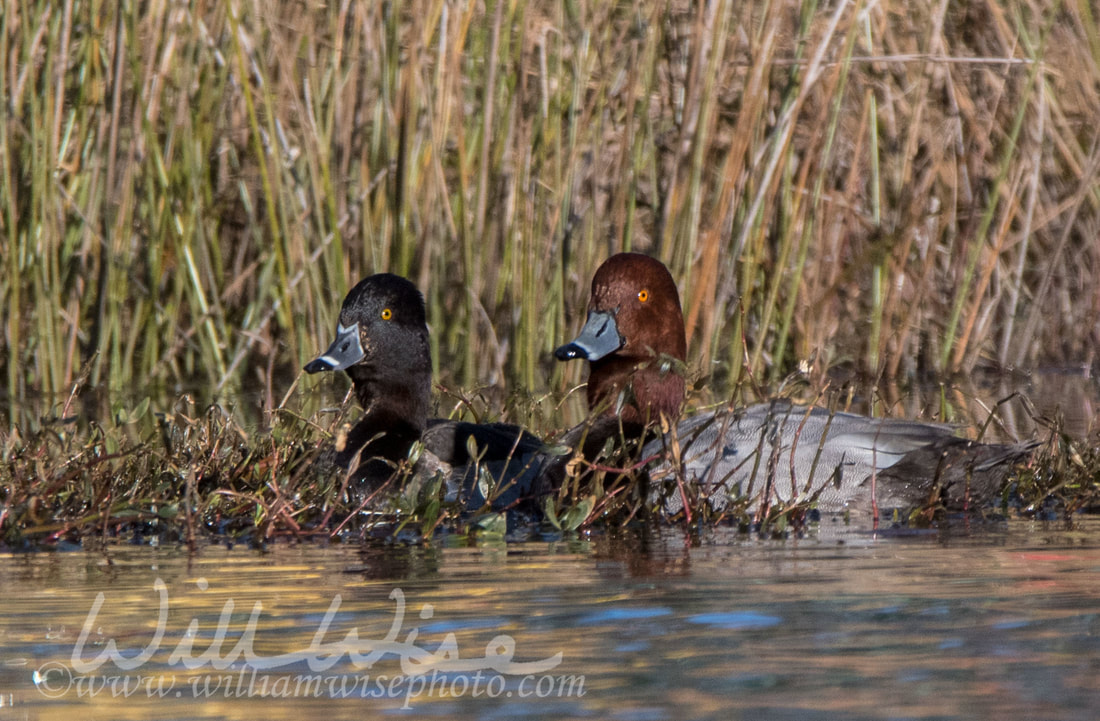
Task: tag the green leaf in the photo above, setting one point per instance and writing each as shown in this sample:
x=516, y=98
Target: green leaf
x=138, y=413
x=550, y=510
x=472, y=450
x=576, y=515
x=491, y=523
x=429, y=517
x=485, y=482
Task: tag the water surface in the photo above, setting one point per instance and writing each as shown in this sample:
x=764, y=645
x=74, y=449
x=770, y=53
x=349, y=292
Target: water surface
x=986, y=621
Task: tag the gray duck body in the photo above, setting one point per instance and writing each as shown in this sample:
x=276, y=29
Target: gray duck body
x=783, y=452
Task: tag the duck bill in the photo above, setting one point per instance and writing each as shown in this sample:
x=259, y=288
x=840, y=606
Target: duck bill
x=344, y=352
x=599, y=338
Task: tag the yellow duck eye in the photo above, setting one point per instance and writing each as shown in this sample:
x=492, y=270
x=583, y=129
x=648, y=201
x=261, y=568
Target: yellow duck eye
x=387, y=314
x=643, y=295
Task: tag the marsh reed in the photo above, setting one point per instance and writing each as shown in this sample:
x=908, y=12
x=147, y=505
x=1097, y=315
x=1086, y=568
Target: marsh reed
x=188, y=189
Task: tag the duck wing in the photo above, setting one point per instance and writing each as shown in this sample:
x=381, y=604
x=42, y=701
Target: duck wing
x=504, y=471
x=795, y=452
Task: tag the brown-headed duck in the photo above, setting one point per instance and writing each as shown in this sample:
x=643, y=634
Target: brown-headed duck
x=635, y=344
x=382, y=344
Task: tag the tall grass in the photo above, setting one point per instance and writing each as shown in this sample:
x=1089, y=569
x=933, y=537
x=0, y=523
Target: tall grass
x=187, y=190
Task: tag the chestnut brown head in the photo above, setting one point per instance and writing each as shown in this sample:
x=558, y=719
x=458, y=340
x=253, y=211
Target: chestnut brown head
x=633, y=339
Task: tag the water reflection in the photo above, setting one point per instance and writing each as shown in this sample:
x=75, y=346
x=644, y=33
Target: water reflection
x=994, y=620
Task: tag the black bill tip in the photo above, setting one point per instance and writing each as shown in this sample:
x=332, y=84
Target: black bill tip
x=569, y=351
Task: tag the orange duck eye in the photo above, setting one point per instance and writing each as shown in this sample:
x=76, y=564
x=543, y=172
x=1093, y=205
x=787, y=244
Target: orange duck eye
x=643, y=295
x=387, y=314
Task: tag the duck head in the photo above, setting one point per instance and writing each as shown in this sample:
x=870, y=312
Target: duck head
x=633, y=340
x=382, y=344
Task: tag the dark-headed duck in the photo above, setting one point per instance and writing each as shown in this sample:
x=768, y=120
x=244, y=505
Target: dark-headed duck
x=634, y=342
x=382, y=344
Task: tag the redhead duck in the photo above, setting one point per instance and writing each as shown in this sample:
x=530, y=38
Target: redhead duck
x=635, y=344
x=382, y=344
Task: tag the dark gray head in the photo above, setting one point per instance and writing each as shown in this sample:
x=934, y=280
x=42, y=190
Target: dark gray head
x=382, y=344
x=380, y=307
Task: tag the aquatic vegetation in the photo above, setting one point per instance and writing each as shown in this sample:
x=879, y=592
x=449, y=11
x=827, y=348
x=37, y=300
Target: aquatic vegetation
x=193, y=471
x=1064, y=479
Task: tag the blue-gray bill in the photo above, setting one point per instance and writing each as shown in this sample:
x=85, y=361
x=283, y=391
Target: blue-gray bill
x=599, y=338
x=344, y=352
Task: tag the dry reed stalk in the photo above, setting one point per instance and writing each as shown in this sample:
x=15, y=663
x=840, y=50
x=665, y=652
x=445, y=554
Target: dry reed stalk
x=188, y=191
